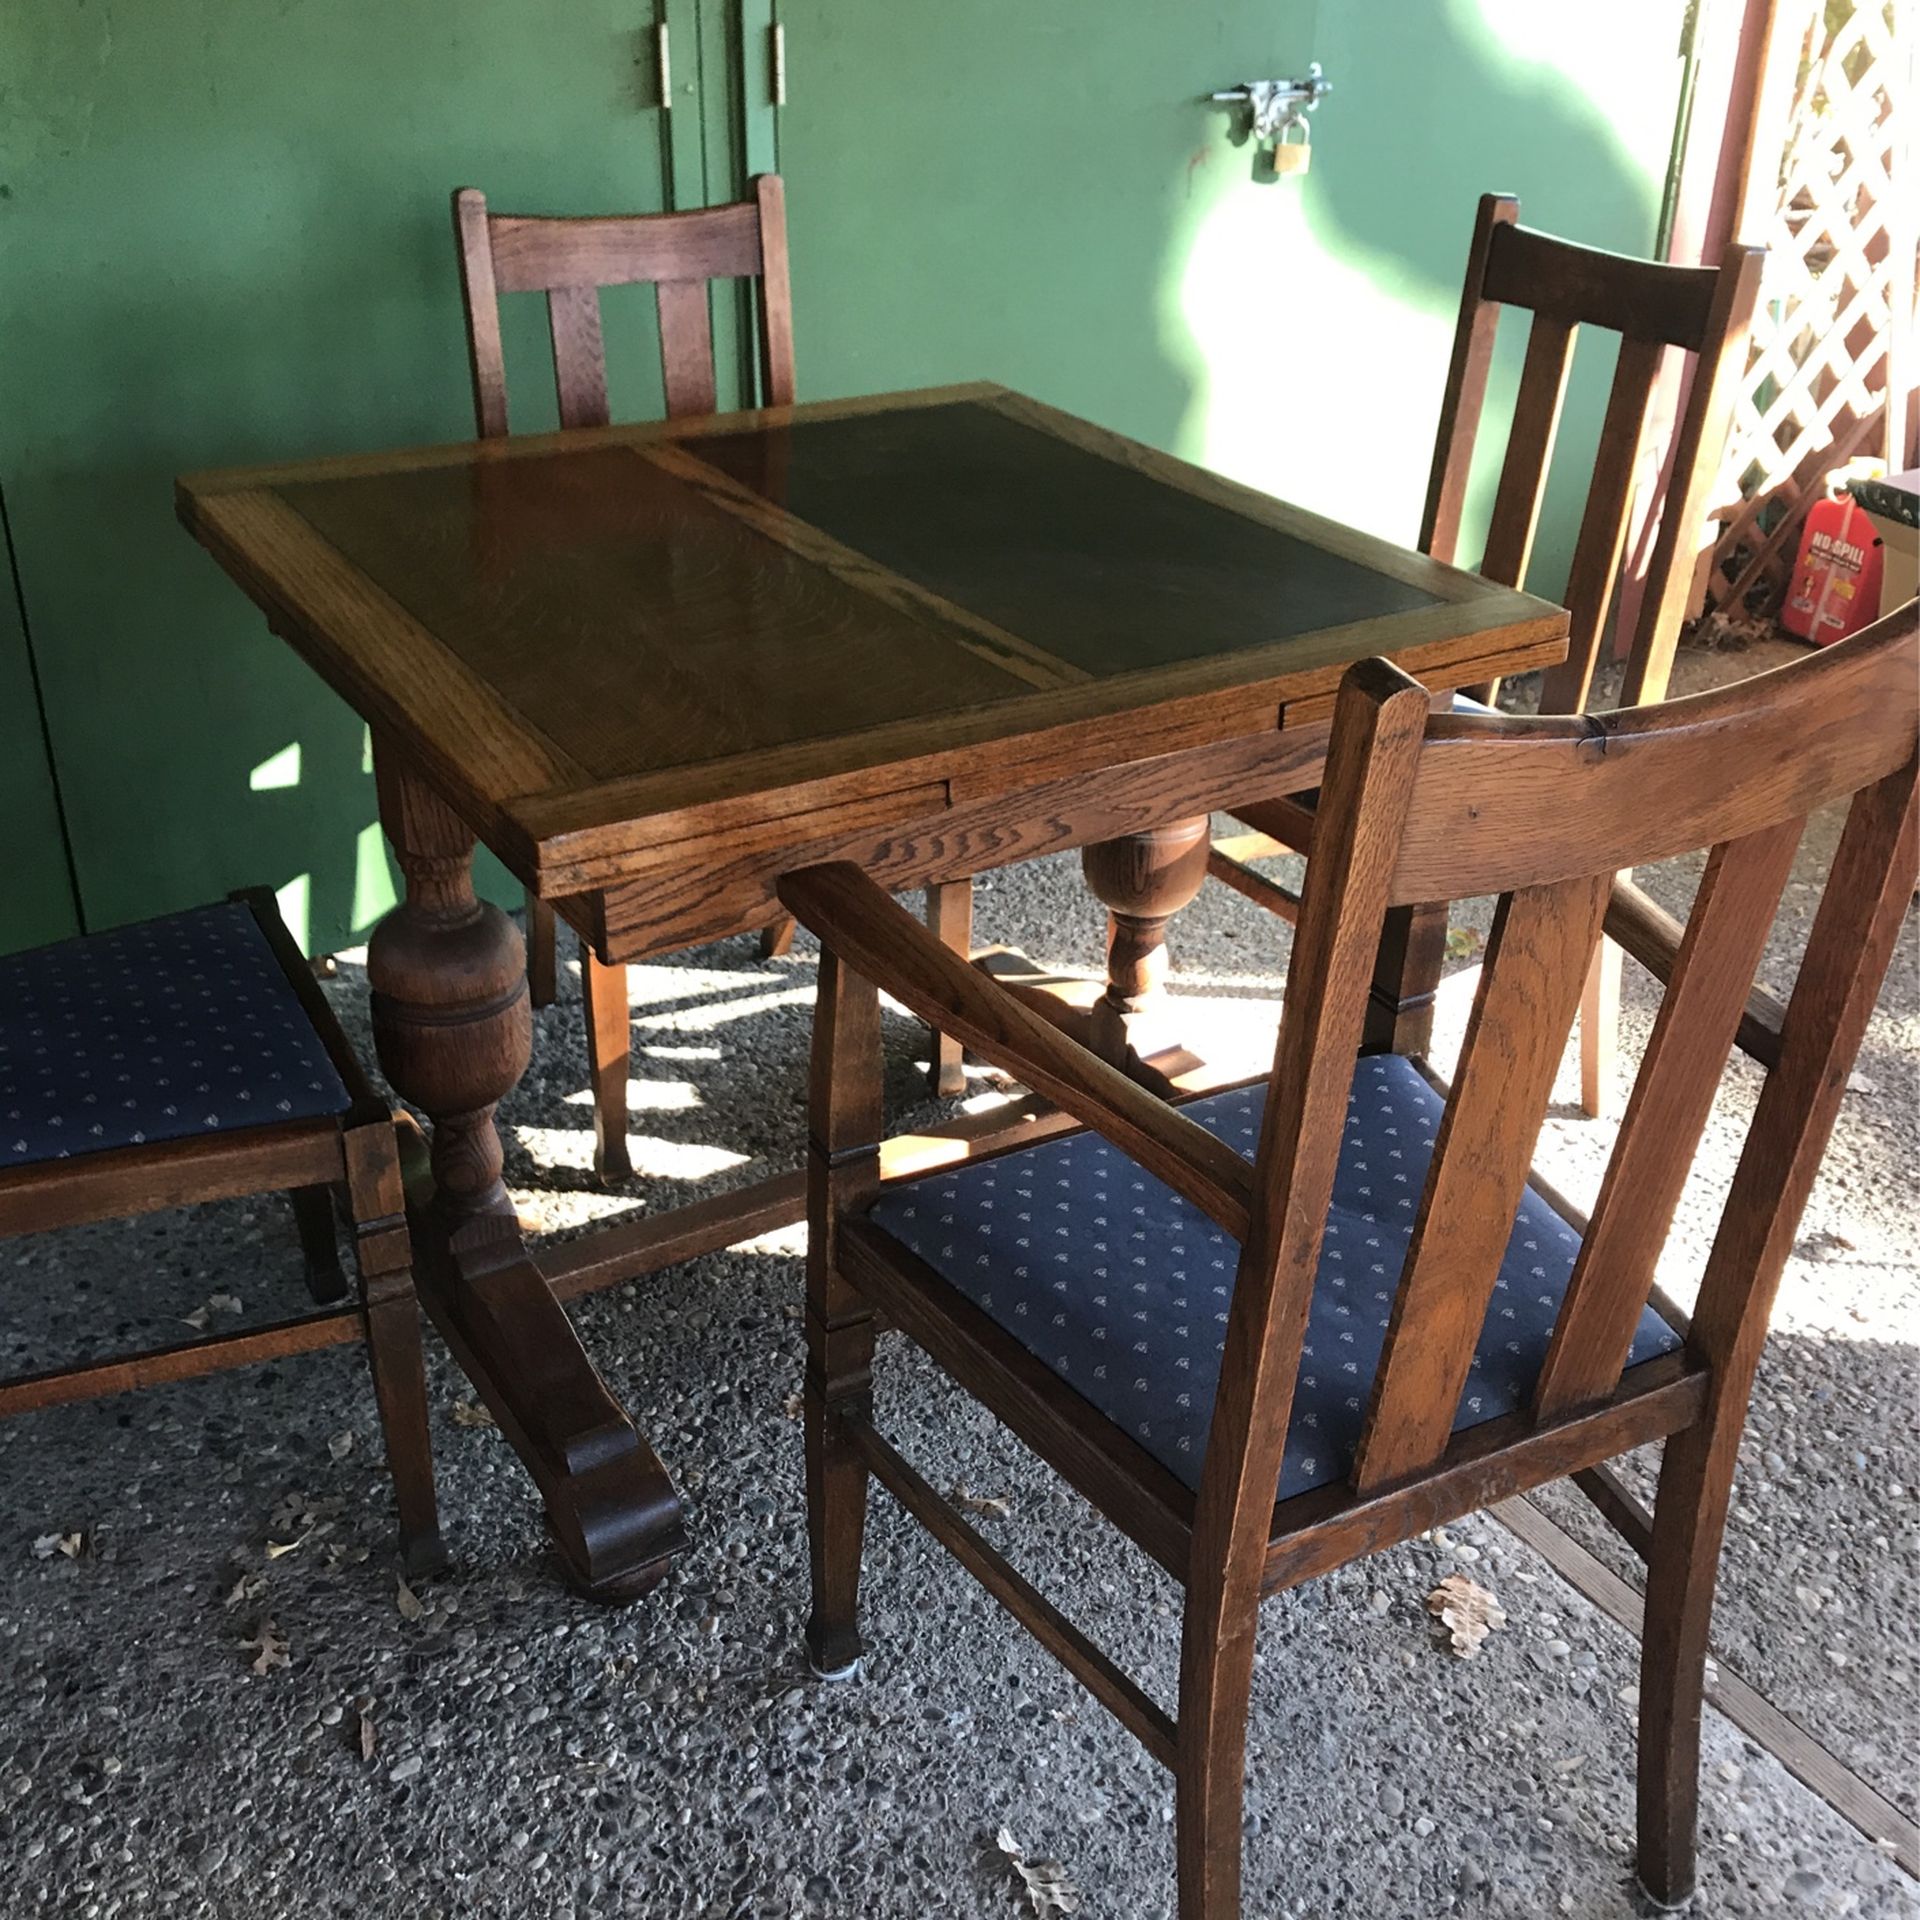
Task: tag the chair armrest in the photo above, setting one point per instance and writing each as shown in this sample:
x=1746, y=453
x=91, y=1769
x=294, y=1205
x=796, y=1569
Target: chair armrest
x=878, y=938
x=1646, y=930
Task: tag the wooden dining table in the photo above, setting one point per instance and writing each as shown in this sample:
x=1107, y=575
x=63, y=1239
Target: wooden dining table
x=655, y=667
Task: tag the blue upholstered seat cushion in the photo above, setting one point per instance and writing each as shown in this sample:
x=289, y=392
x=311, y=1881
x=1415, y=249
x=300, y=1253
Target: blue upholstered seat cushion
x=179, y=1026
x=1121, y=1288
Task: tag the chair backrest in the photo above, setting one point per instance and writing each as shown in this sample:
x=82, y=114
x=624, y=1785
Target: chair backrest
x=571, y=259
x=1543, y=813
x=1702, y=311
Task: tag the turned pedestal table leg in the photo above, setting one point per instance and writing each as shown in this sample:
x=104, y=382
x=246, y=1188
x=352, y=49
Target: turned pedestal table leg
x=453, y=1029
x=1143, y=880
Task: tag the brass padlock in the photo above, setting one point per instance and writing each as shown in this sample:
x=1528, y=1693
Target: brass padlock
x=1292, y=156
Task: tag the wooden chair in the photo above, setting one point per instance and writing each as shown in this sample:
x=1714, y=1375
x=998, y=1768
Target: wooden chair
x=1342, y=1283
x=1705, y=313
x=194, y=1058
x=570, y=260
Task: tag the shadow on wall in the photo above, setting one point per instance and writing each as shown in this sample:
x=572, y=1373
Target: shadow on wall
x=1316, y=314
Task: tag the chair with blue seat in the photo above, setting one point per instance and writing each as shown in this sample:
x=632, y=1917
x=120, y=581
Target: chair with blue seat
x=194, y=1058
x=571, y=259
x=1700, y=316
x=1293, y=1323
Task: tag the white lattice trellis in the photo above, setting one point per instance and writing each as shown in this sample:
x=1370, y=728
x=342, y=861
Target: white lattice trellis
x=1838, y=295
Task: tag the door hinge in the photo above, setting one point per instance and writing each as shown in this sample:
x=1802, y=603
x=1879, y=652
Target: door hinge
x=777, y=34
x=663, y=61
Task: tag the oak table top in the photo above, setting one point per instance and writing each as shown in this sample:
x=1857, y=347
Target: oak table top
x=654, y=667
x=604, y=642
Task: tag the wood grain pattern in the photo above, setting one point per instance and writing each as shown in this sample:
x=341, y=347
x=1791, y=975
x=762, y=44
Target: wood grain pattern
x=579, y=356
x=1585, y=287
x=686, y=347
x=1465, y=393
x=1604, y=792
x=1537, y=959
x=1603, y=526
x=1672, y=1094
x=719, y=888
x=638, y=622
x=384, y=663
x=1523, y=473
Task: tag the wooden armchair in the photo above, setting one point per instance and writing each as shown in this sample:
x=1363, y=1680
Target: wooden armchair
x=1265, y=1396
x=194, y=1058
x=679, y=254
x=1704, y=313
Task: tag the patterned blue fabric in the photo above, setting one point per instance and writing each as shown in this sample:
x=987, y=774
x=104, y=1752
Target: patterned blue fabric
x=1121, y=1288
x=179, y=1026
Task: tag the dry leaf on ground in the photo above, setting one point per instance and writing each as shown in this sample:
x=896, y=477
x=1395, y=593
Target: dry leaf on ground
x=1468, y=1612
x=269, y=1648
x=339, y=1445
x=295, y=1513
x=215, y=1303
x=368, y=1738
x=964, y=1497
x=249, y=1586
x=470, y=1413
x=408, y=1602
x=71, y=1546
x=794, y=1406
x=279, y=1549
x=1463, y=942
x=1044, y=1882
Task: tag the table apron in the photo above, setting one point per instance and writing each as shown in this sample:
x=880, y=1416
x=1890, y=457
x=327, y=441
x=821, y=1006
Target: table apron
x=716, y=886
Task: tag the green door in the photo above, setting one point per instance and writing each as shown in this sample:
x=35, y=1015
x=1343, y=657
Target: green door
x=37, y=902
x=224, y=238
x=1042, y=195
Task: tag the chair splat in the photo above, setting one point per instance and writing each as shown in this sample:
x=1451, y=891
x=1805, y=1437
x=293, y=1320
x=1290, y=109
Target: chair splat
x=1537, y=961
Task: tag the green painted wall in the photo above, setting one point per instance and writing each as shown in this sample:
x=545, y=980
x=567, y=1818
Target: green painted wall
x=223, y=237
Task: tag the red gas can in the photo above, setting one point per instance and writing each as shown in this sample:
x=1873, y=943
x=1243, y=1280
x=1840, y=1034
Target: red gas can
x=1835, y=588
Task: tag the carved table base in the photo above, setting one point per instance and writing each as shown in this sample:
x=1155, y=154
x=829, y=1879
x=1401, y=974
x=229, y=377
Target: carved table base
x=1145, y=879
x=453, y=1028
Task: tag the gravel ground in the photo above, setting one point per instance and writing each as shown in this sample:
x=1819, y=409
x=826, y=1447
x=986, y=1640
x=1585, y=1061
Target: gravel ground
x=502, y=1748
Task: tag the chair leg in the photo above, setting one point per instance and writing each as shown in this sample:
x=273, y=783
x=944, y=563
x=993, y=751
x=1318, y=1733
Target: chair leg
x=609, y=1047
x=383, y=1256
x=776, y=937
x=319, y=1243
x=1599, y=1029
x=1210, y=1761
x=950, y=915
x=839, y=1383
x=1689, y=1521
x=543, y=947
x=400, y=1388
